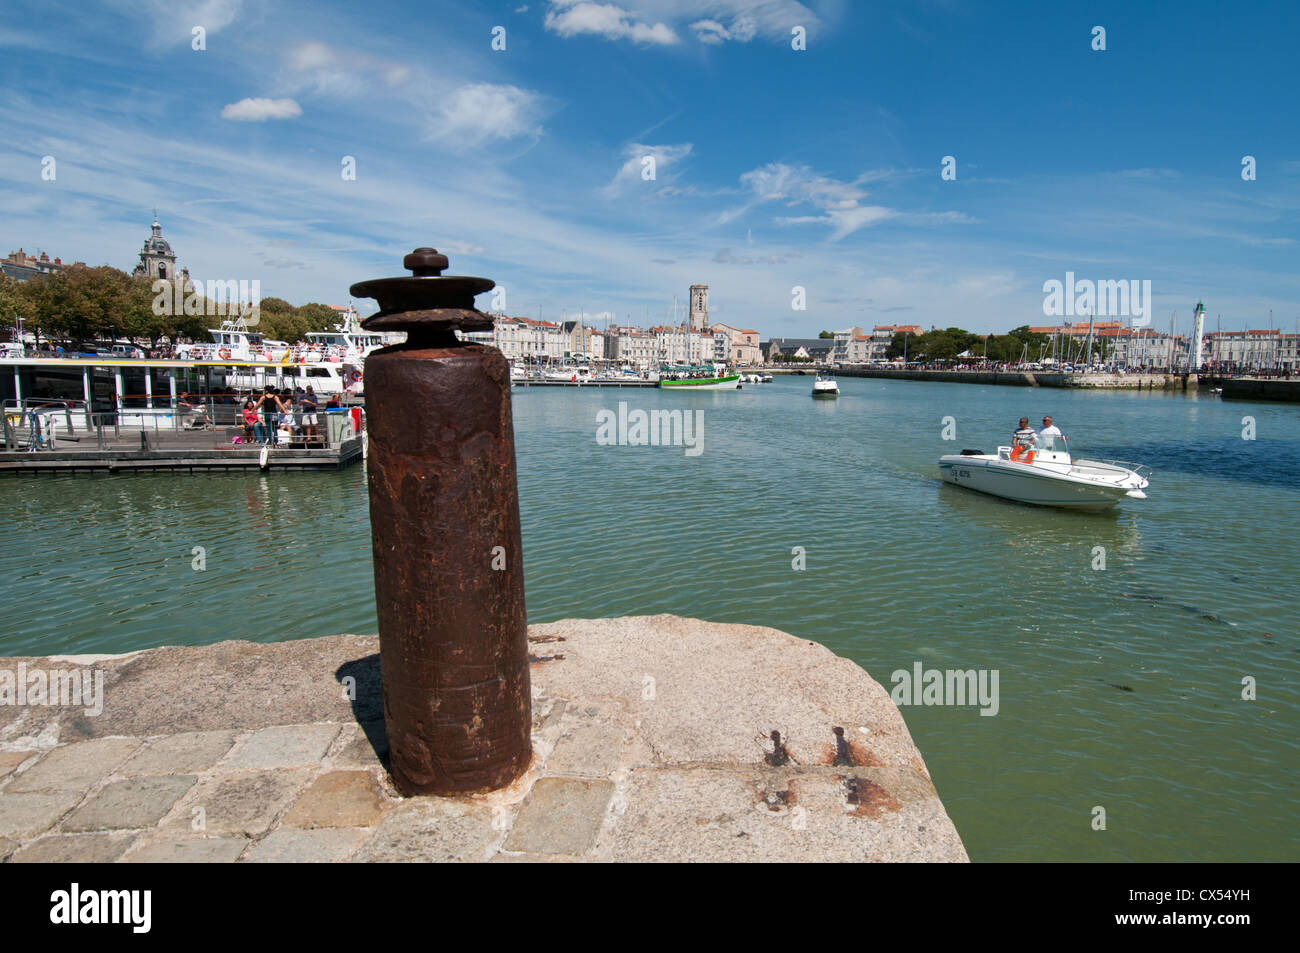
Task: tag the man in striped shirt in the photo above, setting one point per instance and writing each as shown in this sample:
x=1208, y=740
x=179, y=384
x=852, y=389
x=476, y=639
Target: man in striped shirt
x=1022, y=440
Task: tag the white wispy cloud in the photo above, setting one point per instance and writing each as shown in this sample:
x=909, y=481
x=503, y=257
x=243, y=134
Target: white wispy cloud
x=170, y=23
x=329, y=70
x=742, y=30
x=713, y=22
x=483, y=112
x=260, y=110
x=574, y=17
x=634, y=156
x=835, y=203
x=839, y=204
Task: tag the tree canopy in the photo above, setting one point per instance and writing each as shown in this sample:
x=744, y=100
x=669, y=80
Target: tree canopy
x=944, y=345
x=80, y=303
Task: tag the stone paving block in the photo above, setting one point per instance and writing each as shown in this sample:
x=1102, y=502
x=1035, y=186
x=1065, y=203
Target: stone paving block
x=338, y=799
x=560, y=816
x=7, y=847
x=9, y=760
x=433, y=830
x=75, y=849
x=188, y=850
x=74, y=767
x=291, y=846
x=25, y=815
x=590, y=750
x=246, y=803
x=133, y=803
x=359, y=750
x=187, y=753
x=283, y=746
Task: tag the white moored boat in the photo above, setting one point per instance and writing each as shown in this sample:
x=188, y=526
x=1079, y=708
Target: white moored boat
x=1045, y=476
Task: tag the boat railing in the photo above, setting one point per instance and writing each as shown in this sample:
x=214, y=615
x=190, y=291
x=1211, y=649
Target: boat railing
x=38, y=424
x=1141, y=469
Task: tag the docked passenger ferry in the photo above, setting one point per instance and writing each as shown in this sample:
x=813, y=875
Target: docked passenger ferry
x=131, y=390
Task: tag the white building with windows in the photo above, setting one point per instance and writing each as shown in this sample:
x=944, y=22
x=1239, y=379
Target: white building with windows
x=1252, y=350
x=631, y=345
x=526, y=339
x=736, y=345
x=684, y=345
x=852, y=346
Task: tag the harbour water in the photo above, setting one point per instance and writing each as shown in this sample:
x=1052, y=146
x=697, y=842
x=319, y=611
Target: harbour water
x=1119, y=688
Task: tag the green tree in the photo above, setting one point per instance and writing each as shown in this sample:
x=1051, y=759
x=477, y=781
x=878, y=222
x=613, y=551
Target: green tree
x=898, y=343
x=10, y=302
x=826, y=334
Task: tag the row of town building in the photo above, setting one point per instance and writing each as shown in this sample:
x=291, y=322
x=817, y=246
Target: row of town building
x=534, y=340
x=1229, y=351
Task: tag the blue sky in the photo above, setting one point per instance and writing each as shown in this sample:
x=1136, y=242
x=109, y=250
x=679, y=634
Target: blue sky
x=774, y=167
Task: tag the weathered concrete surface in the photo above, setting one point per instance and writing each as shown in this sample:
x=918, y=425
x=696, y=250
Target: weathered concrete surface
x=652, y=740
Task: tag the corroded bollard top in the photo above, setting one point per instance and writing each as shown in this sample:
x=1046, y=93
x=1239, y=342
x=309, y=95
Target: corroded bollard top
x=427, y=300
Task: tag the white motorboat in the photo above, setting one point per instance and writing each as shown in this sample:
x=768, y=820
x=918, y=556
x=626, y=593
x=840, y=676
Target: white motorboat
x=569, y=374
x=1046, y=476
x=825, y=387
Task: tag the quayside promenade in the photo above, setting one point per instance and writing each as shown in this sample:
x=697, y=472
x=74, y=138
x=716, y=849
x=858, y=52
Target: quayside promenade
x=654, y=739
x=1134, y=381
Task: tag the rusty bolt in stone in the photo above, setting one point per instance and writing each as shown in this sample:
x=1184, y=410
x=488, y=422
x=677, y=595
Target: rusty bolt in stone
x=453, y=636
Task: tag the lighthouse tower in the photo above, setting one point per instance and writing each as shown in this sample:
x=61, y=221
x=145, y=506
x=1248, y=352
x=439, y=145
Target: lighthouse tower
x=1194, y=346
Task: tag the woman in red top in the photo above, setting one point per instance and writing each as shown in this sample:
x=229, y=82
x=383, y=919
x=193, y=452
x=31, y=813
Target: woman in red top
x=252, y=422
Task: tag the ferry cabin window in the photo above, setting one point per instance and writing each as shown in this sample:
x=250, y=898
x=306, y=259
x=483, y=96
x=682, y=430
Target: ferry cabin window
x=318, y=372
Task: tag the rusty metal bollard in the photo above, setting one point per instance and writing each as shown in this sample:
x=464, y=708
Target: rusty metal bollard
x=453, y=636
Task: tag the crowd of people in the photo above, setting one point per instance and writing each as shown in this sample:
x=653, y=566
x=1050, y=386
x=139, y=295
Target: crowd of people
x=279, y=416
x=272, y=417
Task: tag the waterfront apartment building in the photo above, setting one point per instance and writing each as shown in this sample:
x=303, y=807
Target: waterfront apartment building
x=1253, y=350
x=852, y=346
x=1118, y=345
x=527, y=339
x=882, y=335
x=631, y=345
x=683, y=345
x=737, y=345
x=582, y=341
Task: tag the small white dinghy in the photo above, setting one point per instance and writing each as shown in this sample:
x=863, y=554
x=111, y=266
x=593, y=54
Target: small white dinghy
x=1046, y=476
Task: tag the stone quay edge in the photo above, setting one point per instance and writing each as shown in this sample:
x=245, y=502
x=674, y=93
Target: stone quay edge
x=652, y=741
